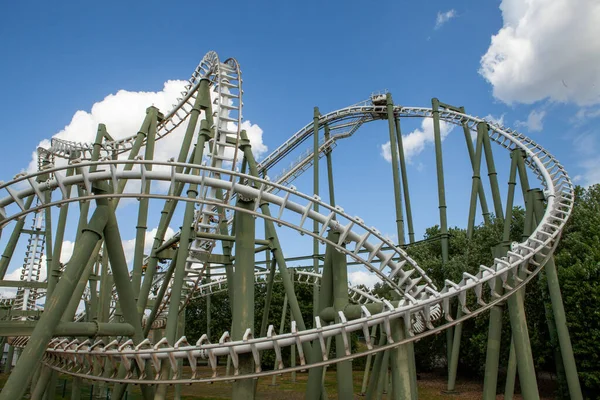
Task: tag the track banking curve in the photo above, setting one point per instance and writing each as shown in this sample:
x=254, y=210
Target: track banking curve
x=420, y=299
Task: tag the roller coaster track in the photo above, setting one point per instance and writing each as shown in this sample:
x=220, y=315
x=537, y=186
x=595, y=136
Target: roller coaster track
x=418, y=295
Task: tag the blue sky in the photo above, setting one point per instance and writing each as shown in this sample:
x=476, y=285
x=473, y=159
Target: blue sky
x=540, y=76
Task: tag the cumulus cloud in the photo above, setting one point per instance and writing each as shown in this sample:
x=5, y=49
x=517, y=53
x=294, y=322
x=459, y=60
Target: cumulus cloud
x=363, y=278
x=129, y=245
x=15, y=275
x=534, y=121
x=123, y=113
x=414, y=143
x=546, y=49
x=443, y=17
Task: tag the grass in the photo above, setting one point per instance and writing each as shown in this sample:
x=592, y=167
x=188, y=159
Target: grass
x=430, y=388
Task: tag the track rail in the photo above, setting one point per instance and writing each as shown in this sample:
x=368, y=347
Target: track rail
x=419, y=296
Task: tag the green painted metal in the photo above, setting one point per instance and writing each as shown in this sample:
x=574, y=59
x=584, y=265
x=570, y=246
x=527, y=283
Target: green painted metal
x=511, y=373
x=243, y=308
x=277, y=252
x=363, y=388
x=281, y=328
x=409, y=219
x=395, y=168
x=316, y=116
x=558, y=310
x=9, y=250
x=340, y=301
x=482, y=199
x=124, y=290
x=401, y=376
x=148, y=130
x=202, y=102
x=9, y=357
x=55, y=306
x=437, y=137
x=187, y=231
x=377, y=368
x=495, y=322
x=492, y=174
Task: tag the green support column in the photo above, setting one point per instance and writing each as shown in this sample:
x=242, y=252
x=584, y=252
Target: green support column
x=243, y=309
x=329, y=170
x=316, y=116
x=55, y=305
x=511, y=373
x=395, y=168
x=566, y=349
x=148, y=130
x=495, y=322
x=340, y=301
x=202, y=102
x=363, y=388
x=277, y=251
x=9, y=358
x=437, y=136
x=187, y=232
x=12, y=241
x=377, y=368
x=401, y=377
x=404, y=173
x=281, y=328
x=315, y=375
x=482, y=200
x=492, y=174
x=118, y=264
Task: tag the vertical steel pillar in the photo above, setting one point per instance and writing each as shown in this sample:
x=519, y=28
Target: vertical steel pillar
x=377, y=368
x=395, y=168
x=281, y=328
x=148, y=130
x=277, y=251
x=316, y=116
x=202, y=102
x=490, y=381
x=243, y=308
x=492, y=174
x=401, y=377
x=562, y=330
x=329, y=170
x=511, y=373
x=340, y=301
x=439, y=162
x=55, y=305
x=409, y=220
x=186, y=237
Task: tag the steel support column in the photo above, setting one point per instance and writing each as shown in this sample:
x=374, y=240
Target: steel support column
x=243, y=308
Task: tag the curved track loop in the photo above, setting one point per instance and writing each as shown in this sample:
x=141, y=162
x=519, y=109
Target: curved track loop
x=419, y=296
x=225, y=77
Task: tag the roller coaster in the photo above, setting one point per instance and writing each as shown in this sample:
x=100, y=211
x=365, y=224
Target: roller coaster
x=131, y=329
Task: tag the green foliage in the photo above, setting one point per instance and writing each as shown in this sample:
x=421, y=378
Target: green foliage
x=578, y=262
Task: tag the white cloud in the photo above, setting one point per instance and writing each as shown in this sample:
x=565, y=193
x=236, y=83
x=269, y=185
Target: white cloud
x=534, y=121
x=123, y=113
x=586, y=113
x=363, y=278
x=15, y=275
x=414, y=143
x=443, y=17
x=129, y=245
x=497, y=120
x=546, y=49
